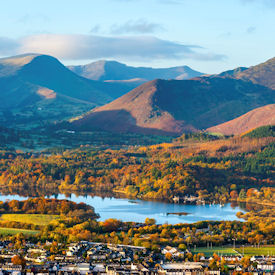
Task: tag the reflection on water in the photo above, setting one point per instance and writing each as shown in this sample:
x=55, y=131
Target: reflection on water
x=138, y=210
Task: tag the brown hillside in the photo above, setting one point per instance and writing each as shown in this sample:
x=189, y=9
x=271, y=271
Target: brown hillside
x=263, y=74
x=177, y=106
x=258, y=117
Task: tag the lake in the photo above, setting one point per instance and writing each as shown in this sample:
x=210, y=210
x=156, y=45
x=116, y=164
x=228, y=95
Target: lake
x=138, y=210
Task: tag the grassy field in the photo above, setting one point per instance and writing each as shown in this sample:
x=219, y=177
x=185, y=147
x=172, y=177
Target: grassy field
x=218, y=250
x=14, y=231
x=37, y=219
x=248, y=251
x=262, y=250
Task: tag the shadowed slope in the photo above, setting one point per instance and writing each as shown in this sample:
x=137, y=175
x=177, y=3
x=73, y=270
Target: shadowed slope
x=38, y=87
x=25, y=75
x=38, y=71
x=179, y=106
x=47, y=71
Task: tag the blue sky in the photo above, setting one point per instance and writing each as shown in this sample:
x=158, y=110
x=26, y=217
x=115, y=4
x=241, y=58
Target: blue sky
x=208, y=35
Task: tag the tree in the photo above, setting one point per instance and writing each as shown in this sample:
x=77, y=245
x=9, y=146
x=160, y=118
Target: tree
x=168, y=256
x=149, y=221
x=245, y=261
x=18, y=260
x=111, y=224
x=233, y=186
x=234, y=194
x=250, y=192
x=182, y=246
x=242, y=194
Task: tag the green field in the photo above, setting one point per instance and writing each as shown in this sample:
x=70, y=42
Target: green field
x=37, y=219
x=248, y=251
x=13, y=231
x=218, y=250
x=262, y=250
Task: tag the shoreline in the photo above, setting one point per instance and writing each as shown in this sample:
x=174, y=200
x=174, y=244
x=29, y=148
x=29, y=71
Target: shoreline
x=253, y=202
x=118, y=194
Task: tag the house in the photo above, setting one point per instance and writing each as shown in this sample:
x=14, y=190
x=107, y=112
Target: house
x=256, y=258
x=212, y=272
x=238, y=268
x=117, y=270
x=36, y=251
x=139, y=269
x=267, y=267
x=169, y=249
x=81, y=268
x=231, y=258
x=98, y=256
x=172, y=250
x=187, y=268
x=114, y=247
x=99, y=269
x=12, y=268
x=73, y=249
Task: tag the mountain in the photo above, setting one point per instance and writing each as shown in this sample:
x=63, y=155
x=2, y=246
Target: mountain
x=263, y=74
x=177, y=106
x=233, y=73
x=258, y=117
x=118, y=72
x=39, y=85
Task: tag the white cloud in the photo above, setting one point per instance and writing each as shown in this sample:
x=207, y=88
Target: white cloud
x=140, y=26
x=77, y=47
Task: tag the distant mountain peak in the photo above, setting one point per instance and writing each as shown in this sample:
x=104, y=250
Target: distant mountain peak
x=19, y=60
x=37, y=81
x=110, y=70
x=262, y=74
x=11, y=65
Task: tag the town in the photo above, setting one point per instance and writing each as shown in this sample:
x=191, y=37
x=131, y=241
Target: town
x=99, y=258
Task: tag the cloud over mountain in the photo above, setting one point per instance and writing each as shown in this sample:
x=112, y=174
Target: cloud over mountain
x=76, y=46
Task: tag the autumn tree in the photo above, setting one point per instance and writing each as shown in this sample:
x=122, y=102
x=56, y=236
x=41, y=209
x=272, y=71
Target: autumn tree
x=18, y=260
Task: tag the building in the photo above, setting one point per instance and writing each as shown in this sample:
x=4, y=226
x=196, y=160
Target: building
x=188, y=268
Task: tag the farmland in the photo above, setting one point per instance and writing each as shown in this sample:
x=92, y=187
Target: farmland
x=36, y=219
x=14, y=231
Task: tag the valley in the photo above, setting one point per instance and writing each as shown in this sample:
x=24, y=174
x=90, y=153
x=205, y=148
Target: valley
x=187, y=163
x=137, y=137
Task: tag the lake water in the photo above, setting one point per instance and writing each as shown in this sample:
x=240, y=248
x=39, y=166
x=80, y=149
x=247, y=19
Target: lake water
x=138, y=210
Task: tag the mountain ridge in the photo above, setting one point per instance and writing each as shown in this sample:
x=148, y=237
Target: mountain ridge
x=262, y=74
x=36, y=82
x=104, y=70
x=191, y=105
x=177, y=106
x=258, y=117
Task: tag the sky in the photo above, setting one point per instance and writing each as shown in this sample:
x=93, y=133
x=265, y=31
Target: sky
x=210, y=36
